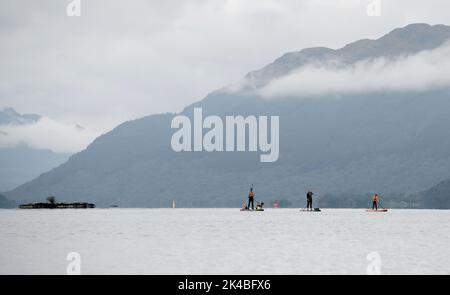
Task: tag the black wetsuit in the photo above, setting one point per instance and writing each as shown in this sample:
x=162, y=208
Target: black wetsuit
x=309, y=201
x=374, y=205
x=250, y=201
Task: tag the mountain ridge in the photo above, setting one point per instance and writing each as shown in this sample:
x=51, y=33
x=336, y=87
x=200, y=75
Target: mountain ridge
x=9, y=115
x=357, y=51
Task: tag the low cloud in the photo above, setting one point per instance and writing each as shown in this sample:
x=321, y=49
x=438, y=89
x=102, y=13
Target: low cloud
x=418, y=72
x=49, y=134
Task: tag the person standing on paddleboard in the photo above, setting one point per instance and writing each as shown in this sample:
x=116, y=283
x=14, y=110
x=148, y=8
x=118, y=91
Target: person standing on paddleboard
x=251, y=199
x=309, y=195
x=375, y=200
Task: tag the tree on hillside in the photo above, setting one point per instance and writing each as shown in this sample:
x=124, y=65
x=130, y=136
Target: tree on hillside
x=51, y=200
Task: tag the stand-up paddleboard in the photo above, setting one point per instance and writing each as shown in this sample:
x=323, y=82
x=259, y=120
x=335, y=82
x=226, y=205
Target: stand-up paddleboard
x=242, y=209
x=378, y=210
x=314, y=210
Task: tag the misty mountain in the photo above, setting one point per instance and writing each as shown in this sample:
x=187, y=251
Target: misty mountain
x=5, y=203
x=10, y=116
x=438, y=196
x=399, y=42
x=21, y=163
x=390, y=142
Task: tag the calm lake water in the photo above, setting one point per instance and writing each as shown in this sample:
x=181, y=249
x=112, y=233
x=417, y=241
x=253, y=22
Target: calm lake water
x=225, y=241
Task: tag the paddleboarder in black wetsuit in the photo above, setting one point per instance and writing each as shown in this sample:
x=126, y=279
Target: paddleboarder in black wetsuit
x=251, y=198
x=309, y=200
x=375, y=200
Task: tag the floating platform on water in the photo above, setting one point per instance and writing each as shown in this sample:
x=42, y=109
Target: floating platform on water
x=78, y=205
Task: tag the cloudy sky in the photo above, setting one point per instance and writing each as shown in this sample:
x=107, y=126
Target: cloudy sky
x=122, y=60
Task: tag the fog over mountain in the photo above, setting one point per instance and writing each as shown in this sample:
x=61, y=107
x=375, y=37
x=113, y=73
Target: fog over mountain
x=40, y=132
x=405, y=41
x=358, y=136
x=22, y=158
